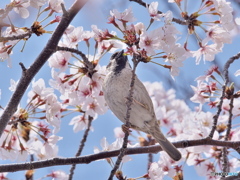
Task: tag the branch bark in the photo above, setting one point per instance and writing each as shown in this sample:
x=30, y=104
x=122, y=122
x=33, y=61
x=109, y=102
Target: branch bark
x=219, y=106
x=82, y=144
x=108, y=154
x=29, y=74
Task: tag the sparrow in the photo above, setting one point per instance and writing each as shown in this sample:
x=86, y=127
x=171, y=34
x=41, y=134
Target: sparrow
x=142, y=116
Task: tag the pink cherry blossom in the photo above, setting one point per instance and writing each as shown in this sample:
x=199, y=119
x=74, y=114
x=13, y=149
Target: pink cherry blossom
x=59, y=60
x=55, y=5
x=219, y=35
x=79, y=123
x=37, y=3
x=74, y=37
x=20, y=7
x=225, y=10
x=175, y=56
x=3, y=176
x=58, y=175
x=207, y=52
x=92, y=107
x=237, y=73
x=153, y=11
x=198, y=96
x=151, y=41
x=126, y=16
x=13, y=85
x=155, y=171
x=118, y=132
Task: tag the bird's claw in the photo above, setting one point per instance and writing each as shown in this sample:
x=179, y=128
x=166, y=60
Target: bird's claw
x=126, y=129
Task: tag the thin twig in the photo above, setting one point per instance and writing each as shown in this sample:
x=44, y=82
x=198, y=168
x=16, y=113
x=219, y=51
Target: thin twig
x=229, y=125
x=129, y=104
x=108, y=154
x=150, y=160
x=219, y=106
x=21, y=36
x=84, y=139
x=226, y=138
x=24, y=69
x=48, y=50
x=216, y=116
x=84, y=57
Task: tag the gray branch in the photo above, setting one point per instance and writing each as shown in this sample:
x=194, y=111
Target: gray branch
x=108, y=154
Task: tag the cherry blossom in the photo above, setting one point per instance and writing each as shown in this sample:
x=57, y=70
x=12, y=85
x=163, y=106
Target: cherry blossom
x=162, y=168
x=75, y=88
x=100, y=35
x=13, y=31
x=72, y=38
x=3, y=176
x=237, y=73
x=59, y=60
x=118, y=132
x=79, y=123
x=37, y=3
x=55, y=5
x=237, y=20
x=58, y=175
x=219, y=35
x=39, y=89
x=13, y=85
x=155, y=171
x=175, y=56
x=20, y=7
x=198, y=96
x=153, y=11
x=92, y=107
x=5, y=51
x=114, y=146
x=151, y=41
x=225, y=10
x=207, y=52
x=126, y=16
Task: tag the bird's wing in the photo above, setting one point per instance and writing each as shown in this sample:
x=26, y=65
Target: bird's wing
x=141, y=98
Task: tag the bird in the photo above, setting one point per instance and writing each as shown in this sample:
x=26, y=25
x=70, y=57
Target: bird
x=116, y=87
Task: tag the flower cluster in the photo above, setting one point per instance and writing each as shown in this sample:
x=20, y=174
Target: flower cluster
x=79, y=88
x=158, y=43
x=27, y=132
x=171, y=113
x=77, y=78
x=21, y=7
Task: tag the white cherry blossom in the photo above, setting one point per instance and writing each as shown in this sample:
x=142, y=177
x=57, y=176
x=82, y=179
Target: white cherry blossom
x=153, y=11
x=126, y=16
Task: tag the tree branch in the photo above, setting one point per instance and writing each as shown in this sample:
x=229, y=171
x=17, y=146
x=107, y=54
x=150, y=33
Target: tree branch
x=84, y=139
x=219, y=106
x=129, y=151
x=48, y=50
x=21, y=36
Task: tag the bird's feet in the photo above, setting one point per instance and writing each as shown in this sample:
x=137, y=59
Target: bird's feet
x=126, y=129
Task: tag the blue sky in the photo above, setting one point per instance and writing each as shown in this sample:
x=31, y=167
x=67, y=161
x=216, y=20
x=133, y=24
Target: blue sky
x=96, y=12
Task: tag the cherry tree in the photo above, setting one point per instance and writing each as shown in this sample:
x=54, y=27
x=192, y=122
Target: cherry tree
x=60, y=90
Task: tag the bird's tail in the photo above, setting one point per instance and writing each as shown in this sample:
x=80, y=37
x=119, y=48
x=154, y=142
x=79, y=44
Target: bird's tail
x=166, y=145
